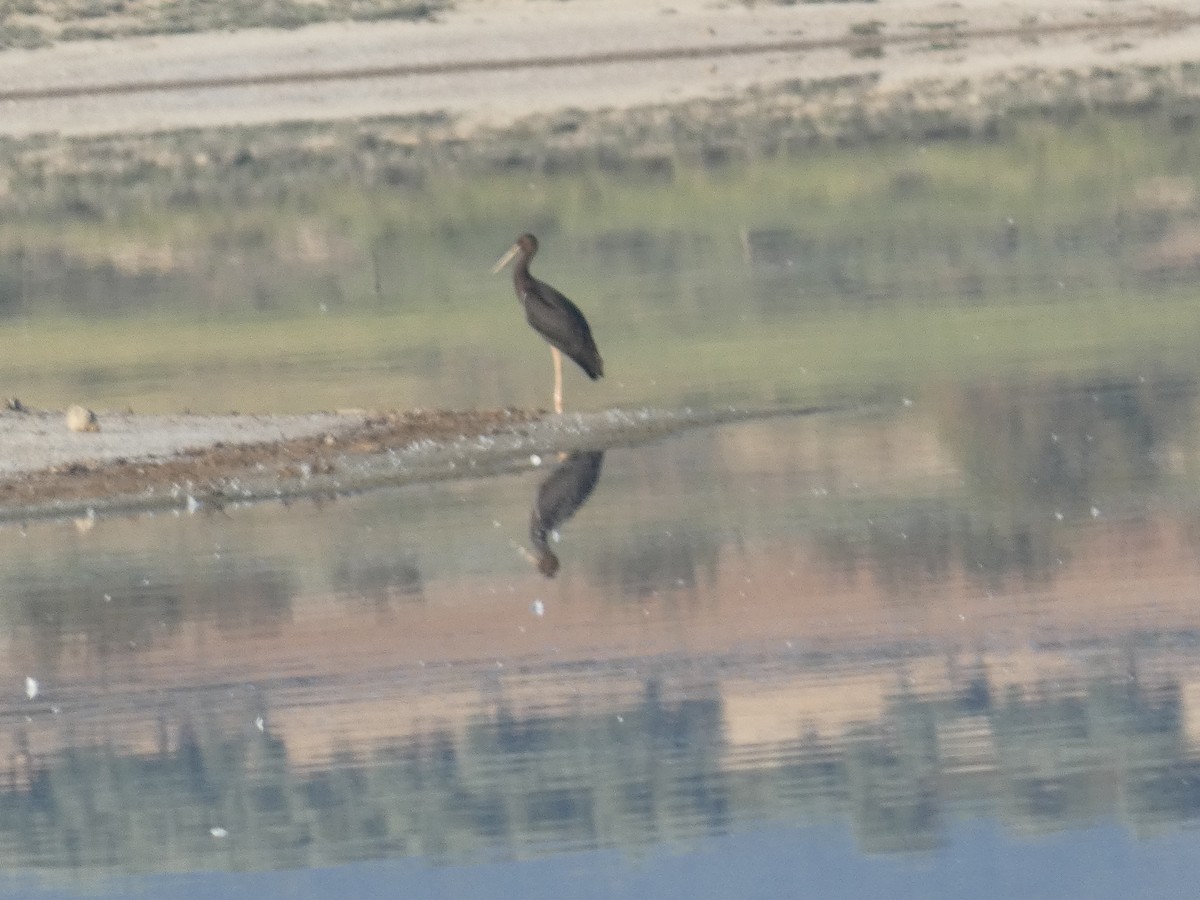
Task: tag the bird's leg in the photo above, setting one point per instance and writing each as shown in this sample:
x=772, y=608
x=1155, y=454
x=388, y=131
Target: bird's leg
x=557, y=354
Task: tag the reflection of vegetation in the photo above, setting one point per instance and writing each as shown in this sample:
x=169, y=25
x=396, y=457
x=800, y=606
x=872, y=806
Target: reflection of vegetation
x=925, y=544
x=1064, y=446
x=654, y=560
x=33, y=24
x=1038, y=457
x=656, y=770
x=380, y=581
x=119, y=604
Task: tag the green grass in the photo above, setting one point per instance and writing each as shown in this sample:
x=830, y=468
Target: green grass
x=901, y=268
x=487, y=355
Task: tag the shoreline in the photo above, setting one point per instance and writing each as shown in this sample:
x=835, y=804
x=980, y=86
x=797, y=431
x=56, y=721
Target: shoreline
x=143, y=462
x=319, y=455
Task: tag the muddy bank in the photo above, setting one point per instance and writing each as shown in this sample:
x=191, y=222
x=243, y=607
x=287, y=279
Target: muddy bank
x=145, y=462
x=326, y=454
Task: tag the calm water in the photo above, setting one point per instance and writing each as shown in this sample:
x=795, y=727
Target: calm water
x=942, y=643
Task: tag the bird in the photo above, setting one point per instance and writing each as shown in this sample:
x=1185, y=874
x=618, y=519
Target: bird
x=559, y=496
x=552, y=316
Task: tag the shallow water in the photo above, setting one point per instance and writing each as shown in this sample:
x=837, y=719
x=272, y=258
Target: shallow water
x=940, y=639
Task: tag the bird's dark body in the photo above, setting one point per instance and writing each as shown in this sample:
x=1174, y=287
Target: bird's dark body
x=559, y=321
x=550, y=313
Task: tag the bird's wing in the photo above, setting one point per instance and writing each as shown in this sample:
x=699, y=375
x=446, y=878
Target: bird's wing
x=557, y=319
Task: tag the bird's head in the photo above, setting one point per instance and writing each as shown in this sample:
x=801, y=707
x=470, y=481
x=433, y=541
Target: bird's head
x=526, y=245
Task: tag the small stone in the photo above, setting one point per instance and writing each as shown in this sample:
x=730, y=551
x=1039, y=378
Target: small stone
x=80, y=418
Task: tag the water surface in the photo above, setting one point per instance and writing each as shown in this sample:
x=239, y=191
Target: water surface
x=939, y=640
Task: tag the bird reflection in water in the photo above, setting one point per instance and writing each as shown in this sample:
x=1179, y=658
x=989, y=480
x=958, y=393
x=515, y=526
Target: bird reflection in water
x=559, y=496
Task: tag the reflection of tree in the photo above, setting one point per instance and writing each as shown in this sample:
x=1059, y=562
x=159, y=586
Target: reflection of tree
x=1063, y=445
x=656, y=558
x=653, y=769
x=122, y=603
x=920, y=545
x=380, y=581
x=1033, y=454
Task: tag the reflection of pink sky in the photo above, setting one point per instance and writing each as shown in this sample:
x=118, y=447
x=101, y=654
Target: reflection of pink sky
x=417, y=667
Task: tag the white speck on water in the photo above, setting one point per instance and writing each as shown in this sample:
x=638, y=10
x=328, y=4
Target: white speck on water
x=907, y=401
x=108, y=598
x=1058, y=515
x=495, y=523
x=539, y=608
x=1095, y=513
x=31, y=687
x=192, y=504
x=534, y=459
x=1054, y=436
x=218, y=832
x=259, y=723
x=620, y=719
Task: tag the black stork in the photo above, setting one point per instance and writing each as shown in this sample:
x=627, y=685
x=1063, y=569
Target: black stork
x=552, y=316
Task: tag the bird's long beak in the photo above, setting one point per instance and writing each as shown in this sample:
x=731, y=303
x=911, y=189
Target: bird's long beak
x=506, y=258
